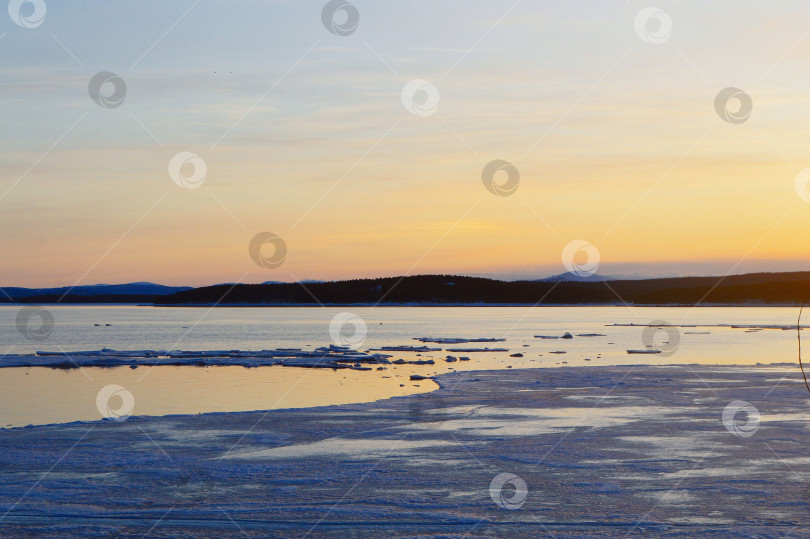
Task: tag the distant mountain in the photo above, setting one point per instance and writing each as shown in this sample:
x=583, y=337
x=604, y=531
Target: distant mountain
x=142, y=290
x=305, y=281
x=568, y=276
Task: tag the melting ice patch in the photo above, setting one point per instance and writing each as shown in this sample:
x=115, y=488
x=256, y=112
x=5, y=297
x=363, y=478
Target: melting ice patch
x=497, y=421
x=675, y=447
x=347, y=447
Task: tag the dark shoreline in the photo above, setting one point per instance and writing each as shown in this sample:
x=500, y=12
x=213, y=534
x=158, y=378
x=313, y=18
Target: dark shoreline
x=447, y=290
x=749, y=290
x=373, y=305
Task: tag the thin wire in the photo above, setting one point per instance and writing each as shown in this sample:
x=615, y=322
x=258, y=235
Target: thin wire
x=799, y=336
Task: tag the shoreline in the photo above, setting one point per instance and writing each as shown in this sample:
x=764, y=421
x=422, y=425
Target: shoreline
x=374, y=305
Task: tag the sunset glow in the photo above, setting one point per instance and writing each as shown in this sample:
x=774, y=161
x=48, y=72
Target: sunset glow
x=304, y=134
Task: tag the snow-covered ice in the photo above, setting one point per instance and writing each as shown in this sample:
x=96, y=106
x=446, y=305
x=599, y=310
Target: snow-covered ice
x=603, y=451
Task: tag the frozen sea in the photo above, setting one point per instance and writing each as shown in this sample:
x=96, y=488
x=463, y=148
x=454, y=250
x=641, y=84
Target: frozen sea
x=708, y=439
x=35, y=396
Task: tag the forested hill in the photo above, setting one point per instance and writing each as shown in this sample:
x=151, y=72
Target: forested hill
x=750, y=289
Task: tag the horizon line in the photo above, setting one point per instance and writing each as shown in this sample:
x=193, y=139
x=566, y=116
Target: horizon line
x=596, y=277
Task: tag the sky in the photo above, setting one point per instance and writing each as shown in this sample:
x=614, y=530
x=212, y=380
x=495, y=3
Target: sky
x=304, y=133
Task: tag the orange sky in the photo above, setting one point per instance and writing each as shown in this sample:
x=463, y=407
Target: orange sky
x=305, y=134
